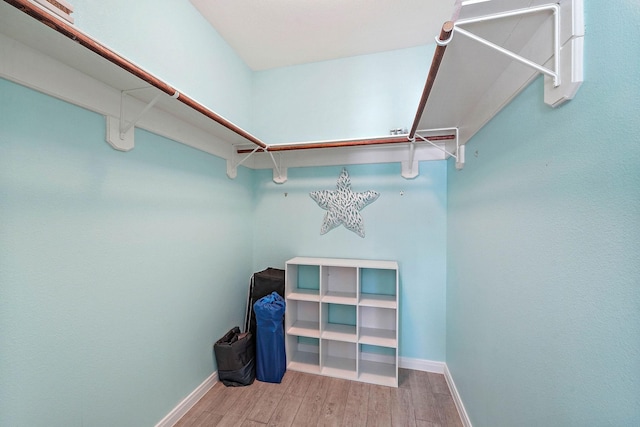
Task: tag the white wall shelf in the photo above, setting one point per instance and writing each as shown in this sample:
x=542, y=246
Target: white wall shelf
x=342, y=318
x=474, y=82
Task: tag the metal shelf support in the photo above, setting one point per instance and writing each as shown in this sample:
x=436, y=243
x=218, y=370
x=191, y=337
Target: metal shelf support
x=279, y=173
x=564, y=80
x=410, y=168
x=119, y=131
x=554, y=8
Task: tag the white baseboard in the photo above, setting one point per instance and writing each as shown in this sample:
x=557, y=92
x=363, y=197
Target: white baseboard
x=456, y=398
x=421, y=365
x=187, y=403
x=438, y=368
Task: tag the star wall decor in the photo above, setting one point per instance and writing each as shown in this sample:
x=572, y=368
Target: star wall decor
x=343, y=206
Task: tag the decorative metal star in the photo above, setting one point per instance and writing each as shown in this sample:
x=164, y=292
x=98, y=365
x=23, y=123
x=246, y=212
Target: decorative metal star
x=343, y=206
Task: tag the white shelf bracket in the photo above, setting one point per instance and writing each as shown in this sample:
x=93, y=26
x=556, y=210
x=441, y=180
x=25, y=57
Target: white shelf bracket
x=457, y=154
x=554, y=8
x=571, y=60
x=117, y=140
x=119, y=131
x=459, y=151
x=564, y=79
x=410, y=168
x=460, y=156
x=232, y=166
x=279, y=173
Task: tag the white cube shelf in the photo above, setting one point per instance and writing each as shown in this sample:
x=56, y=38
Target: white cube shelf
x=338, y=322
x=377, y=326
x=338, y=359
x=378, y=365
x=342, y=318
x=303, y=283
x=338, y=285
x=303, y=354
x=303, y=318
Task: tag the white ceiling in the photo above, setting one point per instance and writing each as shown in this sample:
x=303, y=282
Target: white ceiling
x=276, y=33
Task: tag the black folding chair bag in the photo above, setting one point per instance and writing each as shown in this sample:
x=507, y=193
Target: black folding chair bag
x=263, y=283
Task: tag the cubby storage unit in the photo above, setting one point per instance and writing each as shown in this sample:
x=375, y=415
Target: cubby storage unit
x=342, y=318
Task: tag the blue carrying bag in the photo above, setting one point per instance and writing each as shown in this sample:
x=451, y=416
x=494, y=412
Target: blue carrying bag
x=271, y=360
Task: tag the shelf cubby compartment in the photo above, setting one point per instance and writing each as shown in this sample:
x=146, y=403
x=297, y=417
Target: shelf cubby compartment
x=303, y=354
x=338, y=359
x=377, y=326
x=378, y=365
x=339, y=284
x=339, y=322
x=378, y=287
x=303, y=318
x=303, y=282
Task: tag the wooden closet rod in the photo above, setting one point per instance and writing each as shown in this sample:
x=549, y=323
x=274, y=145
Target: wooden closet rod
x=445, y=35
x=83, y=39
x=79, y=37
x=349, y=143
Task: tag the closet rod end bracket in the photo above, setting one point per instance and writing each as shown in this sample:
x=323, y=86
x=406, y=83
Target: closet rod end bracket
x=410, y=169
x=121, y=141
x=232, y=170
x=280, y=176
x=460, y=157
x=571, y=77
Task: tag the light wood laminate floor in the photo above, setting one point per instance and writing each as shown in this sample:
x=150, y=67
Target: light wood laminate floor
x=422, y=399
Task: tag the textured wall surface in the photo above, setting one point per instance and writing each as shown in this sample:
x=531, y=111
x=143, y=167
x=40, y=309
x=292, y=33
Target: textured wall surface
x=543, y=296
x=406, y=224
x=355, y=97
x=118, y=271
x=173, y=41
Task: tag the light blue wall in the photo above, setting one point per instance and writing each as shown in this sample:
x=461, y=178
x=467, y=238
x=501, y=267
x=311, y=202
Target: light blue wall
x=543, y=295
x=170, y=39
x=355, y=97
x=409, y=228
x=118, y=271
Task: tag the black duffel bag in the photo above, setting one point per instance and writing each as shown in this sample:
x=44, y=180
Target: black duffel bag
x=235, y=356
